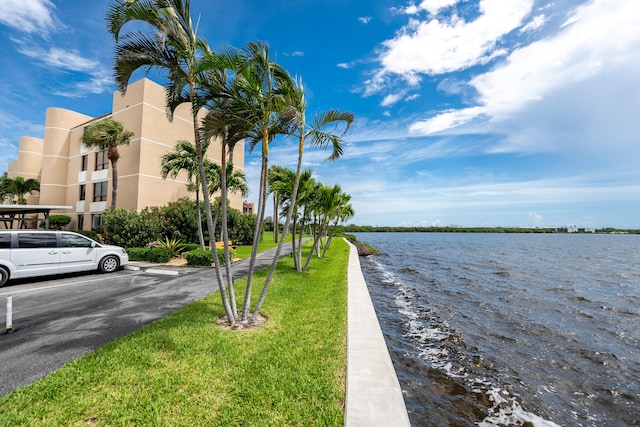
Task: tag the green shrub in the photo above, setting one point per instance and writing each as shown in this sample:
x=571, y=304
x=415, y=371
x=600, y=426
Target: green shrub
x=131, y=229
x=176, y=221
x=182, y=220
x=155, y=255
x=158, y=255
x=199, y=258
x=241, y=227
x=137, y=254
x=57, y=222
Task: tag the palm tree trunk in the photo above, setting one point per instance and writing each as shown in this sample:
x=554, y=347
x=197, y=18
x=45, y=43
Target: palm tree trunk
x=275, y=217
x=225, y=231
x=256, y=239
x=293, y=244
x=114, y=182
x=199, y=216
x=285, y=229
x=231, y=316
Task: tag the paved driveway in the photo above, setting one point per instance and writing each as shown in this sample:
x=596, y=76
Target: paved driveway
x=58, y=319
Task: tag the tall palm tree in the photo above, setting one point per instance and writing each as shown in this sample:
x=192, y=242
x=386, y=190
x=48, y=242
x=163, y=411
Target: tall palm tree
x=258, y=104
x=295, y=115
x=184, y=158
x=19, y=188
x=172, y=46
x=108, y=134
x=221, y=124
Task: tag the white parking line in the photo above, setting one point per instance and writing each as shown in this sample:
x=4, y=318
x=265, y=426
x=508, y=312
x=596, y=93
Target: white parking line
x=83, y=282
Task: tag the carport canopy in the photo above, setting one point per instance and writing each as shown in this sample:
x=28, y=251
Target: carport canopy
x=11, y=215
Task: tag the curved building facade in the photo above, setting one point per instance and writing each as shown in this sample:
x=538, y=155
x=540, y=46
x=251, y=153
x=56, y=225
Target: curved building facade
x=71, y=174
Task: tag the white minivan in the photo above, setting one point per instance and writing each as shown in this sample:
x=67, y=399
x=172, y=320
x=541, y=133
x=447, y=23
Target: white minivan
x=30, y=253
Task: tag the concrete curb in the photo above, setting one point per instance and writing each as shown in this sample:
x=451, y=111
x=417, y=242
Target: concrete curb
x=374, y=397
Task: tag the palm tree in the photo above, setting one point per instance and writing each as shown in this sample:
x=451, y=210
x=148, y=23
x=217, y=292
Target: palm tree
x=283, y=186
x=184, y=158
x=326, y=206
x=295, y=116
x=343, y=211
x=256, y=105
x=19, y=187
x=108, y=134
x=173, y=46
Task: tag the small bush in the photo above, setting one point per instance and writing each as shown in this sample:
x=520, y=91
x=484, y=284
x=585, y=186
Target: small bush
x=57, y=222
x=156, y=255
x=200, y=258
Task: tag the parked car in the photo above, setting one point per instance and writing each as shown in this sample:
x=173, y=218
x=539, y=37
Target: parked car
x=31, y=253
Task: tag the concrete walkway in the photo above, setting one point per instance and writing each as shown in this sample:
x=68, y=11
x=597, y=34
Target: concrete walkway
x=374, y=397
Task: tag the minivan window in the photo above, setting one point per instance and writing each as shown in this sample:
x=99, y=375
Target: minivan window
x=37, y=240
x=73, y=241
x=5, y=241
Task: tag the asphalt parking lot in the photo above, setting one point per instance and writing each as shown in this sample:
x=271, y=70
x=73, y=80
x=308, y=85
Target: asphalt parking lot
x=60, y=318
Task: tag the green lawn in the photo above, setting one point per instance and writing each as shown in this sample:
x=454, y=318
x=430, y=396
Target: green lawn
x=266, y=243
x=184, y=370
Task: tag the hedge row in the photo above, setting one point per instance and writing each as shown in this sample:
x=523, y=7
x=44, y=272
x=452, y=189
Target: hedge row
x=195, y=257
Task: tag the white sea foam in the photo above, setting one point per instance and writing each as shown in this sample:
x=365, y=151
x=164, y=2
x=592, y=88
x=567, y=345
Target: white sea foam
x=509, y=412
x=428, y=338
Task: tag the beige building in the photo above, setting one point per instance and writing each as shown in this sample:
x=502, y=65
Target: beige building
x=72, y=175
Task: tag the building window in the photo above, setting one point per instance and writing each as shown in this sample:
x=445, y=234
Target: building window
x=97, y=221
x=100, y=191
x=81, y=222
x=83, y=191
x=85, y=162
x=102, y=162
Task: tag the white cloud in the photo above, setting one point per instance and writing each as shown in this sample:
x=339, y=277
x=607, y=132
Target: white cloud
x=441, y=46
x=100, y=79
x=431, y=6
x=446, y=120
x=536, y=217
x=391, y=99
x=60, y=58
x=567, y=88
x=29, y=16
x=364, y=19
x=536, y=23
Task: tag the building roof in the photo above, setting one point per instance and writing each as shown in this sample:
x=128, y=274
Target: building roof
x=16, y=213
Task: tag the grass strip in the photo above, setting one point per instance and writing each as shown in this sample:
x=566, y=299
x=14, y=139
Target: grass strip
x=186, y=370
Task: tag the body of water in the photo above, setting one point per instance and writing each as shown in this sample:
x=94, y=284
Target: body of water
x=511, y=329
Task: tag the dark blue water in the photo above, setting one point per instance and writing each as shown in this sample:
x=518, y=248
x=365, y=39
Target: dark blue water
x=511, y=329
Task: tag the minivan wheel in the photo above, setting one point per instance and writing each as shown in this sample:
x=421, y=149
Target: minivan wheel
x=109, y=264
x=4, y=276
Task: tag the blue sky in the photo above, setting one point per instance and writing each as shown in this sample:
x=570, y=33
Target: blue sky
x=468, y=113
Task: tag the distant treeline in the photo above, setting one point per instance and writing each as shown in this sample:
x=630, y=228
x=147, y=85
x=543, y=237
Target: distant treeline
x=368, y=228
